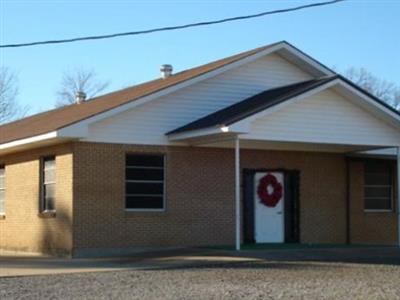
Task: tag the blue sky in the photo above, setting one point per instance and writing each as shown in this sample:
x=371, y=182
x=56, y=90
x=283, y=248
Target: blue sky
x=354, y=33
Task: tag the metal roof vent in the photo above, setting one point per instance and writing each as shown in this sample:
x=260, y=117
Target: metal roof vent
x=80, y=97
x=166, y=71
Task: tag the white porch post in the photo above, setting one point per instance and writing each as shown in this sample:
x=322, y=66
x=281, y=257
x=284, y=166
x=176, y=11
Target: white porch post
x=398, y=196
x=237, y=191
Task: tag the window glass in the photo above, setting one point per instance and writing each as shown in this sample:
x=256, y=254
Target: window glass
x=144, y=182
x=48, y=178
x=378, y=185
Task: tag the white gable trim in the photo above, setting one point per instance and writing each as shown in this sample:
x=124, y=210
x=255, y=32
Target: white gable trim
x=79, y=129
x=371, y=101
x=244, y=126
x=390, y=115
x=307, y=59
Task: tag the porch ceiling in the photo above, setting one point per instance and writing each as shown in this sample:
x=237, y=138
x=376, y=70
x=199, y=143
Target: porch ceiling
x=228, y=141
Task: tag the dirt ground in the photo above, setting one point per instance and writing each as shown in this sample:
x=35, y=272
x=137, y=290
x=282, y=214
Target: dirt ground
x=292, y=274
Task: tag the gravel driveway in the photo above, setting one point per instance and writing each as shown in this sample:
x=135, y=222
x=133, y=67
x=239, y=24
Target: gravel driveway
x=265, y=279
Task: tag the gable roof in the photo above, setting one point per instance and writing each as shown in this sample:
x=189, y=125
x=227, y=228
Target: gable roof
x=56, y=119
x=265, y=100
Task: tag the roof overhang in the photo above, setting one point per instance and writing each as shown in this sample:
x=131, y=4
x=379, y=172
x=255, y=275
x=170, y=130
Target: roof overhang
x=243, y=126
x=42, y=140
x=342, y=87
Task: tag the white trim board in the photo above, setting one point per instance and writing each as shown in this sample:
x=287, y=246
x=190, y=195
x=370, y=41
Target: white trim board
x=33, y=139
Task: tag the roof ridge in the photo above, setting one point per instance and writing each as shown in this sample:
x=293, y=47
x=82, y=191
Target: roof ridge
x=130, y=88
x=239, y=55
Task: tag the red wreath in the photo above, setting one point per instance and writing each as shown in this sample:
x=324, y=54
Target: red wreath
x=270, y=200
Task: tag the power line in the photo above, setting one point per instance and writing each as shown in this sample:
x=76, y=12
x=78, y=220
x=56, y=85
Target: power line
x=108, y=36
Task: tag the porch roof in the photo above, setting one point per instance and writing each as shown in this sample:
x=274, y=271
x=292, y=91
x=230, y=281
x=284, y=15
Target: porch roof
x=263, y=101
x=325, y=114
x=254, y=104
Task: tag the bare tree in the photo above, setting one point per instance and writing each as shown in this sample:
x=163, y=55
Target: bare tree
x=383, y=89
x=79, y=80
x=9, y=107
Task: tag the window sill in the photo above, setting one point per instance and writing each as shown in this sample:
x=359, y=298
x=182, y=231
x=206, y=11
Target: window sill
x=47, y=214
x=2, y=216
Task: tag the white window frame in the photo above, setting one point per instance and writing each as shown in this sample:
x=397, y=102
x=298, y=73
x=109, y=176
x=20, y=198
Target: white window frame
x=391, y=186
x=42, y=205
x=164, y=202
x=3, y=213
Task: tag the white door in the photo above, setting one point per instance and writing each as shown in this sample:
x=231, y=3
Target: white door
x=269, y=207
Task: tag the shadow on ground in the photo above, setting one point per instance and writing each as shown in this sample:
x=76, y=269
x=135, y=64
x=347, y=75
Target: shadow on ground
x=205, y=259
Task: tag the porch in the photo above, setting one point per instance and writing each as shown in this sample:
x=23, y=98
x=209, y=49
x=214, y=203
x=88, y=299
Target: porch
x=323, y=202
x=296, y=128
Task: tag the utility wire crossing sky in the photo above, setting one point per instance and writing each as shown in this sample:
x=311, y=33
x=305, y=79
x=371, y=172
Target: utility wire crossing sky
x=170, y=28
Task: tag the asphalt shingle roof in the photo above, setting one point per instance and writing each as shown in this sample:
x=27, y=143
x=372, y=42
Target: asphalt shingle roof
x=59, y=118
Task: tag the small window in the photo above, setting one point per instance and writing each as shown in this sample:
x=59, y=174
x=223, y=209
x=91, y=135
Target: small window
x=48, y=184
x=2, y=190
x=144, y=182
x=378, y=186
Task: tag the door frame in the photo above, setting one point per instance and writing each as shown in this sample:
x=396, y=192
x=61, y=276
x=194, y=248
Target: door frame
x=291, y=204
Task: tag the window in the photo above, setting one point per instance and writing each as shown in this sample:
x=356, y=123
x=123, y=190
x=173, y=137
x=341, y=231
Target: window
x=48, y=186
x=144, y=182
x=378, y=186
x=2, y=190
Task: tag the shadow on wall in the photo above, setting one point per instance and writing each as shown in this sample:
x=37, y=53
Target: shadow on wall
x=55, y=232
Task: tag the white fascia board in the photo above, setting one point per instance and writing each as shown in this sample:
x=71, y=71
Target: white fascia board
x=235, y=129
x=295, y=52
x=196, y=133
x=380, y=151
x=389, y=113
x=33, y=139
x=318, y=141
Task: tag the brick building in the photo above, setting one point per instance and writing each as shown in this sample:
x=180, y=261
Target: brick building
x=267, y=146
